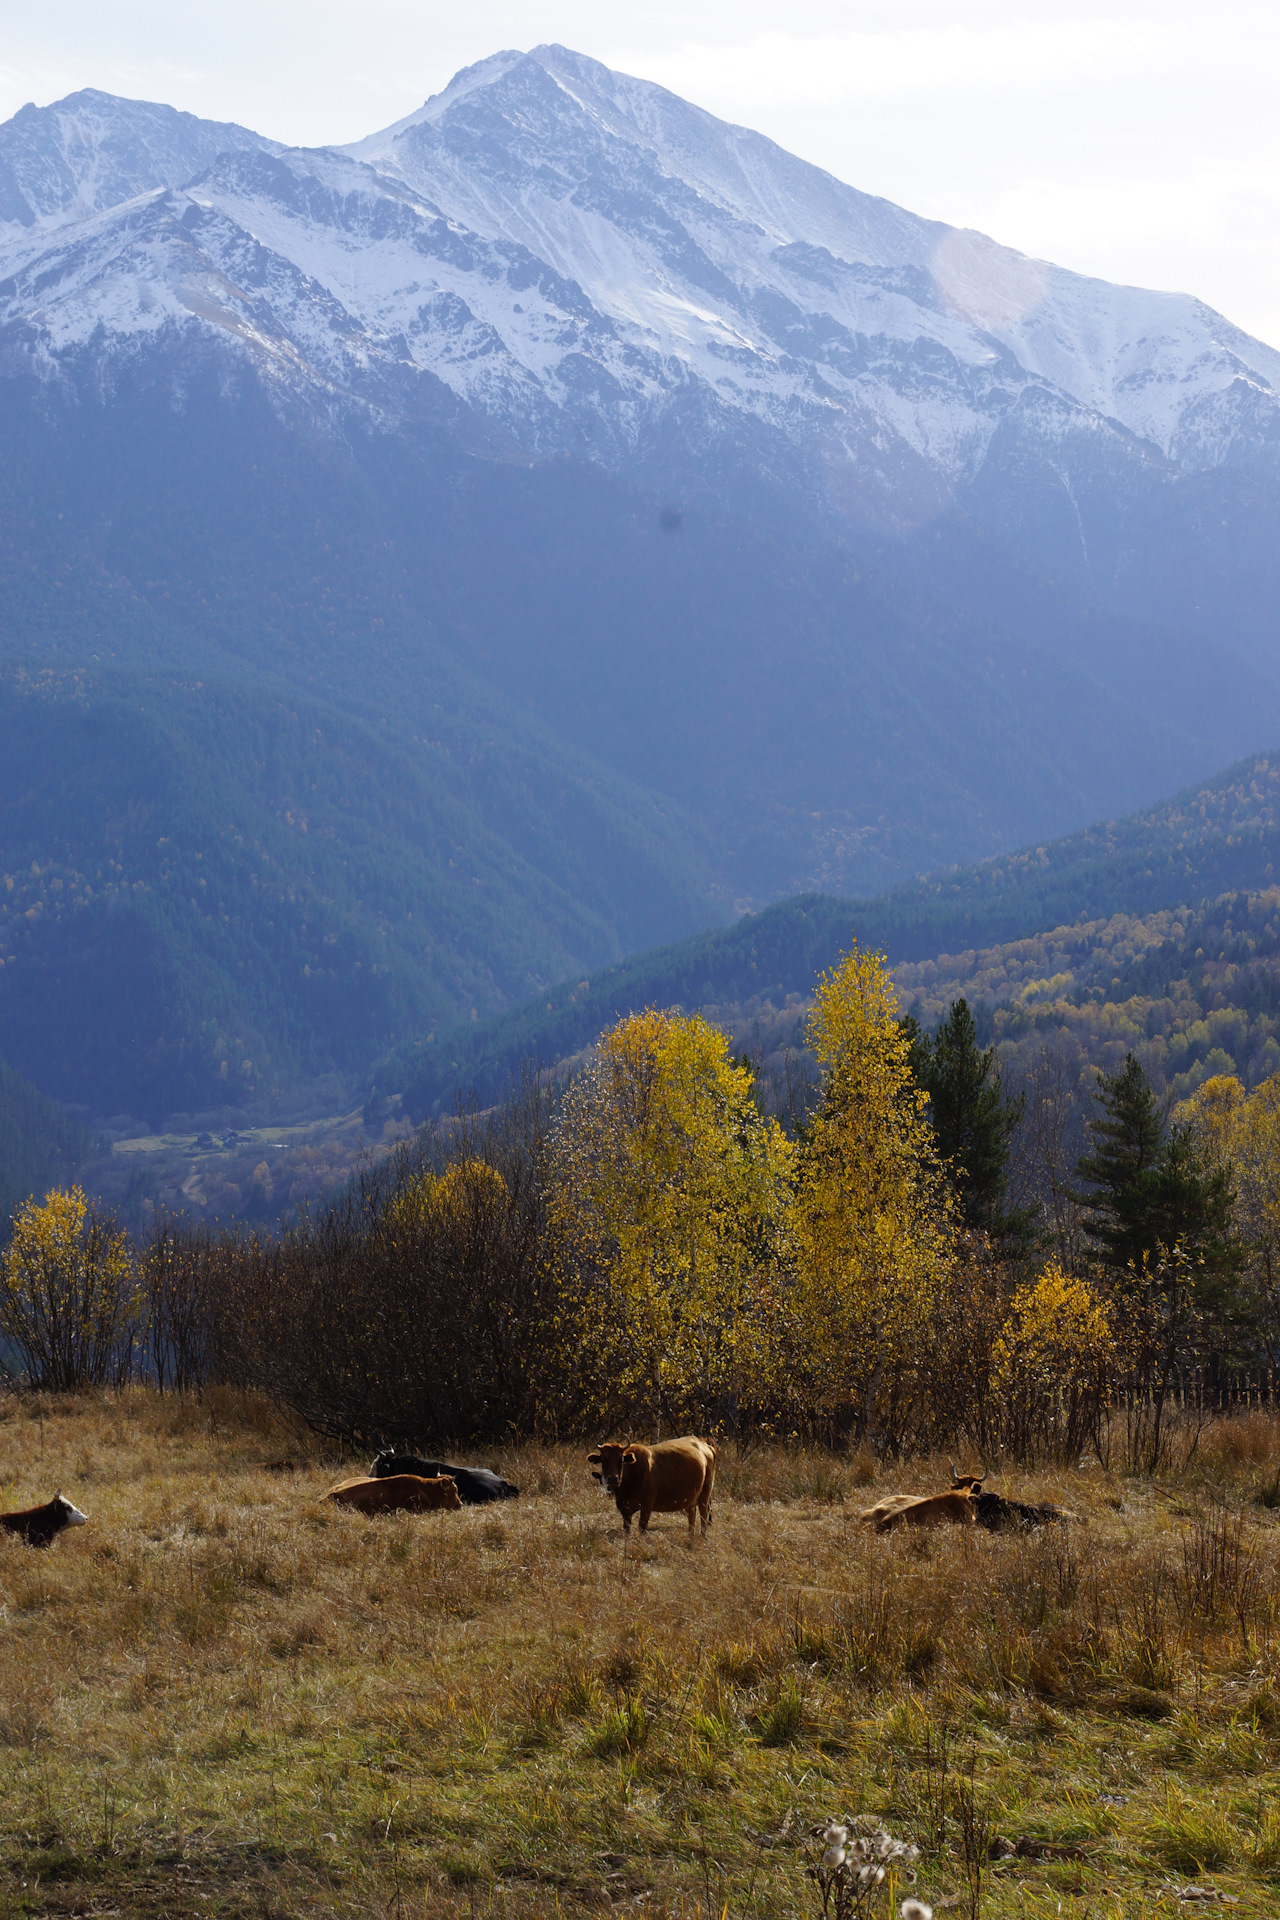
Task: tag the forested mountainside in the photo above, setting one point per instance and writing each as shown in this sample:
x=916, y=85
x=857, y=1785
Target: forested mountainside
x=208, y=890
x=1105, y=892
x=1191, y=991
x=511, y=616
x=40, y=1144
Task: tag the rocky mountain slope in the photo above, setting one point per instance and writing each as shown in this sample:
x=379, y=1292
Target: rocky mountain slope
x=586, y=262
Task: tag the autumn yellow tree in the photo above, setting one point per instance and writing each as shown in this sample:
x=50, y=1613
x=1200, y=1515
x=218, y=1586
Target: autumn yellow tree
x=1241, y=1132
x=669, y=1193
x=69, y=1293
x=872, y=1222
x=1054, y=1367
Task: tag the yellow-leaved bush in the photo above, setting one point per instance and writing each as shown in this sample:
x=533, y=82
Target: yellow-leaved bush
x=456, y=1200
x=669, y=1194
x=1053, y=1367
x=69, y=1293
x=1241, y=1131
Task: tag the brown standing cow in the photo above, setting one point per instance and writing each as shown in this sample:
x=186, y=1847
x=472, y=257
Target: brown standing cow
x=673, y=1476
x=399, y=1493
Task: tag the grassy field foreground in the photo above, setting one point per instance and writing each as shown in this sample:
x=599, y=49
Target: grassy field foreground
x=223, y=1697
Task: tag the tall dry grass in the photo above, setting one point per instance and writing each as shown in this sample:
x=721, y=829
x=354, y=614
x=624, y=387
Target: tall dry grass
x=224, y=1695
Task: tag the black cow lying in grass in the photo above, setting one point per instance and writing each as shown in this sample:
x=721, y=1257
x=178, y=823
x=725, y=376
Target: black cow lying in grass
x=999, y=1515
x=476, y=1485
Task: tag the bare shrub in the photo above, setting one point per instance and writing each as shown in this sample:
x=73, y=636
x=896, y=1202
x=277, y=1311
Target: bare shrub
x=176, y=1266
x=418, y=1304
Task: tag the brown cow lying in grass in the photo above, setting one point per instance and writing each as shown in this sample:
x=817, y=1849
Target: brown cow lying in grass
x=955, y=1508
x=964, y=1504
x=673, y=1476
x=399, y=1493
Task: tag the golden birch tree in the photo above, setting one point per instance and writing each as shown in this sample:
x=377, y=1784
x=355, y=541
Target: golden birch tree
x=69, y=1293
x=872, y=1221
x=669, y=1190
x=1241, y=1132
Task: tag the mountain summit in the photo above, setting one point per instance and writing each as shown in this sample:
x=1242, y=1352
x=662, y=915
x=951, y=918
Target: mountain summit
x=836, y=319
x=589, y=264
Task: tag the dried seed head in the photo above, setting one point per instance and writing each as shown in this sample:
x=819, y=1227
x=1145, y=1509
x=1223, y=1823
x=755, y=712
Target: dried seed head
x=834, y=1857
x=916, y=1910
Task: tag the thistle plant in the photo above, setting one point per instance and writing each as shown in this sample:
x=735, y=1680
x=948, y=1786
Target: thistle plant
x=857, y=1873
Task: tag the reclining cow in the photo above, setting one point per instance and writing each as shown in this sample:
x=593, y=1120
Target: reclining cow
x=476, y=1485
x=398, y=1493
x=998, y=1514
x=40, y=1526
x=957, y=1507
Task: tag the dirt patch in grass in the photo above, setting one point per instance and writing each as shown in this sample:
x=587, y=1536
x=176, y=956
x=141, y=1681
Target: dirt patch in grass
x=225, y=1697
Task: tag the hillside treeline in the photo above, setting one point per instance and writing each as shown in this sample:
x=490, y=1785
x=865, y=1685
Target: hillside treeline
x=645, y=1248
x=39, y=1143
x=1120, y=885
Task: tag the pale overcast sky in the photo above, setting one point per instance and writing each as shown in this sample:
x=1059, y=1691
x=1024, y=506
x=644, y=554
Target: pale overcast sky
x=1139, y=140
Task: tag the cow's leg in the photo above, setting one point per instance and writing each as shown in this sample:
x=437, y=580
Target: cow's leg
x=646, y=1514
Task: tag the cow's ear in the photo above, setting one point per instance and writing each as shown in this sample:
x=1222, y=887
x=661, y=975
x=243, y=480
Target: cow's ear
x=632, y=1453
x=593, y=1456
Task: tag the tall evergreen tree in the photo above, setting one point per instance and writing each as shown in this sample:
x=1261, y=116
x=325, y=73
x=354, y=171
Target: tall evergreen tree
x=1126, y=1154
x=973, y=1122
x=1147, y=1191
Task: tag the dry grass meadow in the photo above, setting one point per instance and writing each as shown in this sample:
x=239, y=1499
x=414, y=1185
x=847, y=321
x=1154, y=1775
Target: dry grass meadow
x=223, y=1697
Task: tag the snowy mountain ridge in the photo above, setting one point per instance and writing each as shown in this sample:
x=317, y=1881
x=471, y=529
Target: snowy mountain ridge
x=1110, y=348
x=579, y=261
x=92, y=151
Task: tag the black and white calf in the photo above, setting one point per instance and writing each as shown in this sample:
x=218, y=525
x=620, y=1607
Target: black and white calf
x=40, y=1526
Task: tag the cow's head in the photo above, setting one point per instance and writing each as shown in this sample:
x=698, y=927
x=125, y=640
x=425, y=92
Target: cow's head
x=606, y=1464
x=636, y=1463
x=966, y=1482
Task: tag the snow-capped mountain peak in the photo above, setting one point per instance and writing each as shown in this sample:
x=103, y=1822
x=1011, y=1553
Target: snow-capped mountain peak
x=92, y=151
x=688, y=231
x=585, y=261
